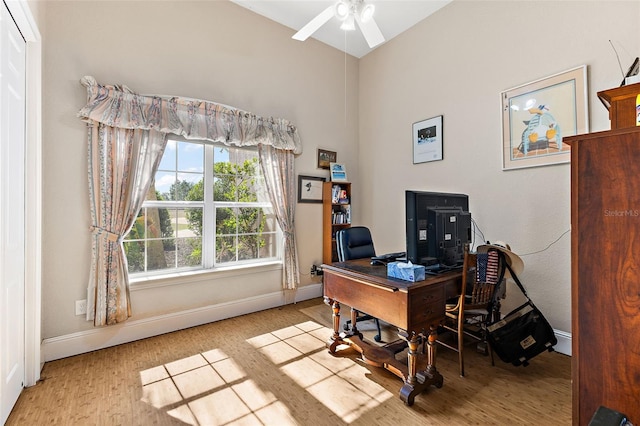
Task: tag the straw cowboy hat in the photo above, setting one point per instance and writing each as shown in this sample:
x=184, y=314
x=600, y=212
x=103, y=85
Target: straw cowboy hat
x=513, y=259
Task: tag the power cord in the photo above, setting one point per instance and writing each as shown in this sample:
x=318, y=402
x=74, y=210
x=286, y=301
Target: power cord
x=547, y=247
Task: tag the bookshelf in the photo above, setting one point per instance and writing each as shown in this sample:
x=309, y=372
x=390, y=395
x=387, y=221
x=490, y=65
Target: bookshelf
x=336, y=215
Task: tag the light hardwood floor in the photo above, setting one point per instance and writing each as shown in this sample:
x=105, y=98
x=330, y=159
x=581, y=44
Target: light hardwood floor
x=272, y=368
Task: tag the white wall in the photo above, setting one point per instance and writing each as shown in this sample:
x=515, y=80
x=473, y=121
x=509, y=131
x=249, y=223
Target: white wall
x=455, y=64
x=213, y=50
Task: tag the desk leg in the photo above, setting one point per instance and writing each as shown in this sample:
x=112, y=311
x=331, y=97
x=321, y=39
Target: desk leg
x=416, y=382
x=335, y=340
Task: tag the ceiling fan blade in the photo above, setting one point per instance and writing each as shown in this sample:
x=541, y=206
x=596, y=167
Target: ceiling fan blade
x=314, y=24
x=370, y=31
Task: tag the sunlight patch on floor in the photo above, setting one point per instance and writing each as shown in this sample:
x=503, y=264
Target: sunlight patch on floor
x=211, y=388
x=338, y=383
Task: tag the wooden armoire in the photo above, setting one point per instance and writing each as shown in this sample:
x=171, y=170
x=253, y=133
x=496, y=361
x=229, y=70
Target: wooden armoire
x=605, y=268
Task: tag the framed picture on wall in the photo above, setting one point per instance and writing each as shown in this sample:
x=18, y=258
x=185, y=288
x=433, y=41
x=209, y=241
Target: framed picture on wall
x=338, y=172
x=536, y=117
x=325, y=158
x=427, y=140
x=310, y=189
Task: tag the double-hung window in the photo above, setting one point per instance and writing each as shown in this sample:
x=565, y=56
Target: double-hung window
x=207, y=207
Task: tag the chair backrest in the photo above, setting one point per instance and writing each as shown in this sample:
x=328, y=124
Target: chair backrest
x=479, y=293
x=354, y=243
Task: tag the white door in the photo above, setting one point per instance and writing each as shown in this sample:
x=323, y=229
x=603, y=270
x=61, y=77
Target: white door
x=12, y=212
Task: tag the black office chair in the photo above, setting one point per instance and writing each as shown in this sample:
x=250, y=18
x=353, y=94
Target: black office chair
x=356, y=243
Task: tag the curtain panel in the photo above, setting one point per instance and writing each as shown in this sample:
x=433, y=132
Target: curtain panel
x=121, y=165
x=277, y=168
x=127, y=135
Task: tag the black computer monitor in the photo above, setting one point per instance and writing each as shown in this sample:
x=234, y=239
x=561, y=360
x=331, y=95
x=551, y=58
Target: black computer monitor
x=438, y=225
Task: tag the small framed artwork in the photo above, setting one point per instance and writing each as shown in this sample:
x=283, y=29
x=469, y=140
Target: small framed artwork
x=325, y=158
x=427, y=140
x=338, y=172
x=536, y=117
x=310, y=189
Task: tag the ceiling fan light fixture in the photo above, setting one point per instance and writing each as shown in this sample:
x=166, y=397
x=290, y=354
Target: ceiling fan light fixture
x=349, y=24
x=341, y=10
x=367, y=12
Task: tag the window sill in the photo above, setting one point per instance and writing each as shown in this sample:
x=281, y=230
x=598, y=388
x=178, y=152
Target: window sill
x=178, y=278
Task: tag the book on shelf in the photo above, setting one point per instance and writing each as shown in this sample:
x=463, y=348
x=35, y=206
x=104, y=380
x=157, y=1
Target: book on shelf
x=335, y=194
x=343, y=198
x=342, y=216
x=339, y=195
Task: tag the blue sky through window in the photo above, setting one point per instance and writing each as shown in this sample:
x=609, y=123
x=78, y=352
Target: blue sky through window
x=184, y=161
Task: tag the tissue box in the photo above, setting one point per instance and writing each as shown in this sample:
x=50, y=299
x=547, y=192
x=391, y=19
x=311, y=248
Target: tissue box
x=405, y=271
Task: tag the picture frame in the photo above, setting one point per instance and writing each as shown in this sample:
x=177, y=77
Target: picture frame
x=310, y=189
x=427, y=140
x=338, y=172
x=536, y=116
x=325, y=158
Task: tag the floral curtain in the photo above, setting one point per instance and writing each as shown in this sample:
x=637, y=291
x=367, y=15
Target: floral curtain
x=121, y=167
x=277, y=168
x=127, y=134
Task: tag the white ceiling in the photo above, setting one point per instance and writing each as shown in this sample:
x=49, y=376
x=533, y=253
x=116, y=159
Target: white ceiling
x=392, y=16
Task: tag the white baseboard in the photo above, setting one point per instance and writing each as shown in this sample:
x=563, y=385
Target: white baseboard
x=564, y=342
x=129, y=331
x=104, y=337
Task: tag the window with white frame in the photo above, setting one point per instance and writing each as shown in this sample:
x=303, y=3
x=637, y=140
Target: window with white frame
x=207, y=207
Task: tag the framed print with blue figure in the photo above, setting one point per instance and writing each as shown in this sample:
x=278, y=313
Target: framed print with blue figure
x=536, y=117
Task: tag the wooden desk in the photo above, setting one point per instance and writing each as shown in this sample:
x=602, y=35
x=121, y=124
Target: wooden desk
x=415, y=308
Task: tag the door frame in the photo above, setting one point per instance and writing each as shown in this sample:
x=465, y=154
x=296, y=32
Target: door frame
x=27, y=25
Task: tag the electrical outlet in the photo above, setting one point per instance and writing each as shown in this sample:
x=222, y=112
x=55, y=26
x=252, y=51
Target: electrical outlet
x=81, y=307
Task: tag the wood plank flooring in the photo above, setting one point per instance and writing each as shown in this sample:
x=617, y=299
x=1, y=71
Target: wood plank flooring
x=272, y=368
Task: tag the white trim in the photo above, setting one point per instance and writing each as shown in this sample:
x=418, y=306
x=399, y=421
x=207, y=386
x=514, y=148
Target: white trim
x=23, y=17
x=129, y=331
x=564, y=342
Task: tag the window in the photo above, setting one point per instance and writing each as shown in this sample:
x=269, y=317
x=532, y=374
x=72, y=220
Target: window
x=207, y=207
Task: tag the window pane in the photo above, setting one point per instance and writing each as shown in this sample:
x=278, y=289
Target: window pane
x=220, y=155
x=160, y=254
x=168, y=161
x=235, y=172
x=267, y=246
x=138, y=228
x=134, y=251
x=224, y=187
x=189, y=252
x=190, y=157
x=248, y=246
x=226, y=220
x=225, y=249
x=162, y=184
x=193, y=221
x=250, y=220
x=270, y=222
x=160, y=222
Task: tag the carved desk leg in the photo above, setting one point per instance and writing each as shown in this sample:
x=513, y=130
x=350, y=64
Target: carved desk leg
x=416, y=382
x=335, y=339
x=431, y=373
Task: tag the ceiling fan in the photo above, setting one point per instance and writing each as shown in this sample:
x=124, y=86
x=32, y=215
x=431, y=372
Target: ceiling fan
x=349, y=12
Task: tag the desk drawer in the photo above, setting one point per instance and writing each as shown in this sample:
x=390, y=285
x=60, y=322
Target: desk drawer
x=427, y=306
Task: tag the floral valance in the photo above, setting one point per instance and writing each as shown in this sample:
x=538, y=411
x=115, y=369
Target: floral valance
x=118, y=106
